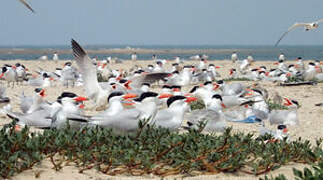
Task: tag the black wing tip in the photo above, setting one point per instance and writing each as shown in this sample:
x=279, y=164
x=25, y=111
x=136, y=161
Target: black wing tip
x=78, y=51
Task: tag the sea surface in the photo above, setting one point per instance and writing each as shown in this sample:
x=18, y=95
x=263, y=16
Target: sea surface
x=213, y=51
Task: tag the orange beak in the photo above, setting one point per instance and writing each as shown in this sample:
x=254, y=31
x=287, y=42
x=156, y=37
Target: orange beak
x=296, y=65
x=42, y=93
x=128, y=96
x=288, y=103
x=230, y=72
x=224, y=106
x=165, y=95
x=1, y=75
x=127, y=85
x=80, y=99
x=201, y=85
x=215, y=86
x=276, y=63
x=81, y=106
x=217, y=67
x=190, y=99
x=285, y=130
x=288, y=74
x=188, y=94
x=267, y=73
x=14, y=67
x=128, y=103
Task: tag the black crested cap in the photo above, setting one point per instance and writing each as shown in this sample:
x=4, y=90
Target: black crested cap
x=123, y=81
x=173, y=99
x=145, y=84
x=291, y=65
x=204, y=69
x=217, y=96
x=207, y=82
x=159, y=62
x=311, y=63
x=17, y=64
x=258, y=91
x=166, y=86
x=113, y=94
x=175, y=72
x=175, y=64
x=37, y=90
x=295, y=102
x=68, y=64
x=179, y=87
x=233, y=69
x=4, y=69
x=271, y=70
x=211, y=64
x=45, y=75
x=299, y=58
x=146, y=95
x=254, y=69
x=68, y=94
x=149, y=65
x=58, y=68
x=280, y=61
x=194, y=89
x=281, y=127
x=219, y=82
x=264, y=67
x=187, y=66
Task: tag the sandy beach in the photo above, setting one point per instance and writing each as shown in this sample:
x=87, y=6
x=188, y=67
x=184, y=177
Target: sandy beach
x=310, y=128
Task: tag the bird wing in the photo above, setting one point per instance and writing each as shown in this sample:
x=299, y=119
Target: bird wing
x=147, y=78
x=27, y=5
x=290, y=29
x=88, y=70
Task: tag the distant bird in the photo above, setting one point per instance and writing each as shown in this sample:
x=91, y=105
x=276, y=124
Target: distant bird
x=27, y=5
x=307, y=26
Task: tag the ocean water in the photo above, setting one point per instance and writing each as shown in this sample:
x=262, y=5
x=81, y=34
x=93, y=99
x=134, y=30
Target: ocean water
x=215, y=52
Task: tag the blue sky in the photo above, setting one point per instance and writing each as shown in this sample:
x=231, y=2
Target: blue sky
x=147, y=22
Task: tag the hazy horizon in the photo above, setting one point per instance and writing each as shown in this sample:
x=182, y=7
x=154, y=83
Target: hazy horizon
x=168, y=22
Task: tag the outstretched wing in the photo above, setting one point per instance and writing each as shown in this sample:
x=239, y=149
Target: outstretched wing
x=290, y=29
x=148, y=78
x=27, y=5
x=88, y=70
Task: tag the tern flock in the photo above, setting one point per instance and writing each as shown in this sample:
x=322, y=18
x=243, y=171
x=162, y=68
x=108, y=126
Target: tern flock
x=126, y=96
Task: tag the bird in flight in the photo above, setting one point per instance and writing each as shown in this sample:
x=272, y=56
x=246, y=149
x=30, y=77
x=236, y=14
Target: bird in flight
x=307, y=26
x=27, y=5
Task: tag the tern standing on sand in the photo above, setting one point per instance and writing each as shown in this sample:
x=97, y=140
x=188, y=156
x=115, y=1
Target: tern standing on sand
x=134, y=56
x=234, y=57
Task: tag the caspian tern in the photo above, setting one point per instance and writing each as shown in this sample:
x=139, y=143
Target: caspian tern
x=286, y=117
x=307, y=26
x=172, y=117
x=91, y=85
x=234, y=57
x=9, y=74
x=27, y=5
x=281, y=57
x=29, y=104
x=55, y=57
x=71, y=105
